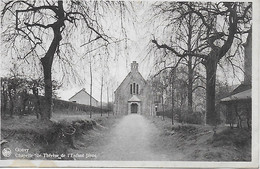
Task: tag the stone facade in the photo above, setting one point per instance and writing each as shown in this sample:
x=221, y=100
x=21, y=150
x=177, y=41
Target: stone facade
x=133, y=95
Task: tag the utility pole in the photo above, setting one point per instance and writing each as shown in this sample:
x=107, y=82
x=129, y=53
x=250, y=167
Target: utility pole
x=107, y=101
x=101, y=95
x=172, y=91
x=90, y=100
x=113, y=100
x=163, y=104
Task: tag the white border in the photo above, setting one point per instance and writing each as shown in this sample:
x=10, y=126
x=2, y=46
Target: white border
x=186, y=164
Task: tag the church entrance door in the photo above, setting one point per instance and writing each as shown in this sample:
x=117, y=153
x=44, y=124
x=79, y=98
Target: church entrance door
x=134, y=108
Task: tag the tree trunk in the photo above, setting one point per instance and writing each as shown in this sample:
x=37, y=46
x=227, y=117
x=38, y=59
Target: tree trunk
x=37, y=102
x=172, y=87
x=190, y=70
x=113, y=107
x=162, y=107
x=239, y=124
x=4, y=100
x=47, y=61
x=172, y=102
x=190, y=75
x=11, y=103
x=211, y=68
x=47, y=105
x=25, y=98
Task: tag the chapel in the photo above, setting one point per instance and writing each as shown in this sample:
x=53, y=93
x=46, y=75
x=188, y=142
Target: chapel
x=134, y=94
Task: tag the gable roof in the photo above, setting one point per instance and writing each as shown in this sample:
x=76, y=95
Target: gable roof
x=247, y=94
x=128, y=75
x=83, y=90
x=134, y=98
x=242, y=87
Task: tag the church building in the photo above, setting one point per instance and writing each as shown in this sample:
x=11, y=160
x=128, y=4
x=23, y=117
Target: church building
x=133, y=95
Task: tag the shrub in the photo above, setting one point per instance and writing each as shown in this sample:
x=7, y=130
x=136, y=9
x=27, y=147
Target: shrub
x=229, y=137
x=184, y=116
x=194, y=118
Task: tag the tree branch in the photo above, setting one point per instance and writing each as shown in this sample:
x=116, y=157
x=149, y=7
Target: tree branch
x=88, y=25
x=195, y=88
x=198, y=14
x=98, y=37
x=169, y=67
x=37, y=24
x=245, y=12
x=232, y=31
x=34, y=9
x=164, y=46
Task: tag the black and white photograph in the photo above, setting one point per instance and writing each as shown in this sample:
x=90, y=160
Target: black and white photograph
x=129, y=83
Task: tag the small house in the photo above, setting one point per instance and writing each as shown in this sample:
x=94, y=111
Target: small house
x=82, y=97
x=239, y=102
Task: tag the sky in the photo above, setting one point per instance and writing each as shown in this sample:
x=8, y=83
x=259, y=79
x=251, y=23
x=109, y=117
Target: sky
x=118, y=66
x=137, y=47
x=139, y=33
x=136, y=50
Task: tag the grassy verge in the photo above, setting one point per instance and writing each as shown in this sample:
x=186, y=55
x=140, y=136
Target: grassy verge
x=199, y=143
x=30, y=138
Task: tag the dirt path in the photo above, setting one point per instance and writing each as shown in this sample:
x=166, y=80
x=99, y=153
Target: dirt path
x=133, y=137
x=131, y=140
x=141, y=138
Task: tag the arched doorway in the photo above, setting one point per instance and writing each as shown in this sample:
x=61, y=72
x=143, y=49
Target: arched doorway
x=134, y=108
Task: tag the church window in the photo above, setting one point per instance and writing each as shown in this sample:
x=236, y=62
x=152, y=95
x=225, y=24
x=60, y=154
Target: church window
x=134, y=88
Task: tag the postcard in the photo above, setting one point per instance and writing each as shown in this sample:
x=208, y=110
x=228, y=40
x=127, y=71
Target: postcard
x=169, y=84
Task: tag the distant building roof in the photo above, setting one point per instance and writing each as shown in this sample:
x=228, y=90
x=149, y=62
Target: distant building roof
x=134, y=69
x=245, y=95
x=83, y=90
x=242, y=87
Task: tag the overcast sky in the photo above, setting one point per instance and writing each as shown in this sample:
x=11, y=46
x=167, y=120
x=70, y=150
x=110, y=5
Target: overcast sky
x=139, y=34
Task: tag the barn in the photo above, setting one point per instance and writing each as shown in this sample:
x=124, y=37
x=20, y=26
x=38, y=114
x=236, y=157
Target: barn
x=82, y=97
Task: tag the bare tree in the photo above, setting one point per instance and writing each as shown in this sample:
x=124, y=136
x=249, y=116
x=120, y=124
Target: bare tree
x=159, y=86
x=185, y=32
x=33, y=24
x=223, y=25
x=36, y=85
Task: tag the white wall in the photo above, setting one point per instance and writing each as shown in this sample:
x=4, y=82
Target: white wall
x=83, y=98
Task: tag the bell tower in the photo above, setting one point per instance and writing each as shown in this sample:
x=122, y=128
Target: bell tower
x=134, y=66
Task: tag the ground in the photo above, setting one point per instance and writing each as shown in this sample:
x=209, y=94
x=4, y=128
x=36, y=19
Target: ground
x=131, y=137
x=136, y=137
